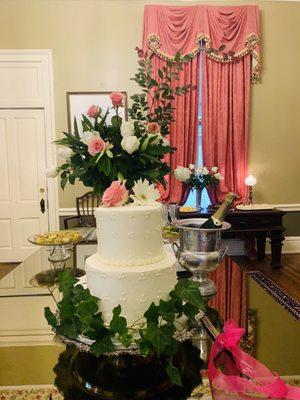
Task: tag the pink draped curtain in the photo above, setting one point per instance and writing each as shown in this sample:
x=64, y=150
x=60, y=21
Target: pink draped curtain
x=174, y=34
x=183, y=130
x=226, y=84
x=226, y=92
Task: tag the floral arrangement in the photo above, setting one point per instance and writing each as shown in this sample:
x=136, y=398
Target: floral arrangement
x=198, y=178
x=124, y=150
x=78, y=314
x=143, y=193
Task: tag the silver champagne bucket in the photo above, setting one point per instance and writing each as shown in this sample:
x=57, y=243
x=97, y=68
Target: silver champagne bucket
x=199, y=251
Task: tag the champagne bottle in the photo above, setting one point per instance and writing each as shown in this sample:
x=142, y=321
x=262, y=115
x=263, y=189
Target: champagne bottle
x=210, y=328
x=216, y=220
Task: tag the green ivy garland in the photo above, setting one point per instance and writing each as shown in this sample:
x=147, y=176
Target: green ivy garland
x=154, y=333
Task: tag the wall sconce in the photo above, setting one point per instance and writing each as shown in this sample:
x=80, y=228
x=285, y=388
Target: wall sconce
x=250, y=181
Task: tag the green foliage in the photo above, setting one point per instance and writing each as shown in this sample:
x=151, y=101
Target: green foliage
x=118, y=324
x=103, y=343
x=98, y=171
x=188, y=291
x=160, y=338
x=160, y=88
x=78, y=314
x=50, y=317
x=174, y=374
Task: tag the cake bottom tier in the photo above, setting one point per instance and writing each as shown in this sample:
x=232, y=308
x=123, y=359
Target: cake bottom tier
x=134, y=288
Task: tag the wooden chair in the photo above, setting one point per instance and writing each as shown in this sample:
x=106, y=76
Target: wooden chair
x=85, y=206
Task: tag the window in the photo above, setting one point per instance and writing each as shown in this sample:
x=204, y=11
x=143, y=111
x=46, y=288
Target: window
x=205, y=201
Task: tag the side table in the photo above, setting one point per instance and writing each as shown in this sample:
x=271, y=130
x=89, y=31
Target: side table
x=259, y=223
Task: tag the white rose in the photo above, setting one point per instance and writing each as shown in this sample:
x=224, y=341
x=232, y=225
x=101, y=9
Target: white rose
x=51, y=172
x=182, y=174
x=205, y=171
x=127, y=128
x=64, y=153
x=165, y=142
x=199, y=170
x=218, y=176
x=214, y=169
x=192, y=167
x=158, y=137
x=87, y=135
x=130, y=144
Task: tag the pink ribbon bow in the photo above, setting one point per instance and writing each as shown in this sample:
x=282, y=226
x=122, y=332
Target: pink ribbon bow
x=232, y=334
x=236, y=364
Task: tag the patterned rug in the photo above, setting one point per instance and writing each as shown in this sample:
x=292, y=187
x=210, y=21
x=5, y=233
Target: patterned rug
x=35, y=392
x=49, y=392
x=284, y=299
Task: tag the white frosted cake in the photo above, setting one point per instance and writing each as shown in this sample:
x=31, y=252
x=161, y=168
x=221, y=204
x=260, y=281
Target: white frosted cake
x=131, y=267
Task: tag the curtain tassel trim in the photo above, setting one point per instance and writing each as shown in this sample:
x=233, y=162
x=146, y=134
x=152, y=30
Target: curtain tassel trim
x=252, y=41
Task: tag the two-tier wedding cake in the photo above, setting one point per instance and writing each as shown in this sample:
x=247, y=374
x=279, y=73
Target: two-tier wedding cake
x=131, y=267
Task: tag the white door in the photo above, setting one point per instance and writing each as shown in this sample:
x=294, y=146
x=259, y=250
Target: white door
x=23, y=187
x=26, y=135
x=23, y=182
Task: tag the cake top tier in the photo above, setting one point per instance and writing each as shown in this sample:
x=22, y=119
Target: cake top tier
x=130, y=235
x=154, y=207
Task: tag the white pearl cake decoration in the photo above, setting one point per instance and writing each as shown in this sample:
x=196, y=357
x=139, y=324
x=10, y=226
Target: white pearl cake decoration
x=142, y=284
x=137, y=239
x=130, y=270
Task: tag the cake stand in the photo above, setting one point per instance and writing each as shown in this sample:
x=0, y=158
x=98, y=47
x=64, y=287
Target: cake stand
x=126, y=375
x=58, y=256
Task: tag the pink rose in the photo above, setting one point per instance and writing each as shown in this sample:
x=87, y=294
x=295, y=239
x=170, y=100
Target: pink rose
x=153, y=127
x=93, y=111
x=96, y=145
x=117, y=99
x=116, y=195
x=140, y=52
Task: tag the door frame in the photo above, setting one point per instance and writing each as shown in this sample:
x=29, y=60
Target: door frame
x=46, y=102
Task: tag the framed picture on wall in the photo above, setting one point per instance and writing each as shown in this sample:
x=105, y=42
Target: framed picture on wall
x=79, y=102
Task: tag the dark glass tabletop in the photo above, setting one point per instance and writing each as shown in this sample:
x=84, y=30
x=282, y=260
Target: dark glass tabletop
x=81, y=376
